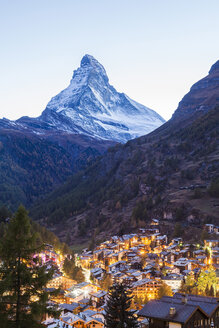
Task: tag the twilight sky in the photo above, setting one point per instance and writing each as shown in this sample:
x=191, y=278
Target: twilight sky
x=152, y=50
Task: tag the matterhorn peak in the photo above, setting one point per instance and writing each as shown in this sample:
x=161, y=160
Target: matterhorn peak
x=89, y=60
x=91, y=106
x=89, y=69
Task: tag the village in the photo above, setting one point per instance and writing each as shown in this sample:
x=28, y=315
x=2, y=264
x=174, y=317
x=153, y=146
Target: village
x=155, y=269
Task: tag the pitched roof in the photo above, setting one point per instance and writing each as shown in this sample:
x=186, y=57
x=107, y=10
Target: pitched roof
x=100, y=293
x=69, y=307
x=160, y=309
x=207, y=304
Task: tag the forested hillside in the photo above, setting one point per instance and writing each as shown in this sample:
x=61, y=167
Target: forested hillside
x=170, y=172
x=32, y=166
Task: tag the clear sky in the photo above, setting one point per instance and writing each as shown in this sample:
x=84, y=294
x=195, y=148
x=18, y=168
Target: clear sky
x=153, y=50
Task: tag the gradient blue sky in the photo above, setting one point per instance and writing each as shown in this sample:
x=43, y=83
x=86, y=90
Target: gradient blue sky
x=153, y=50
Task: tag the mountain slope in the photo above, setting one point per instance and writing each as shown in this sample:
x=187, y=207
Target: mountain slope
x=147, y=177
x=165, y=174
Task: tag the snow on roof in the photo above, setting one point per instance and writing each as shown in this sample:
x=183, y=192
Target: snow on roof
x=117, y=263
x=141, y=282
x=100, y=293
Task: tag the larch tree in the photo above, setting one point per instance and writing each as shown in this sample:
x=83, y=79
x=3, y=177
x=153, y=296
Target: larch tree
x=164, y=290
x=23, y=297
x=207, y=278
x=189, y=285
x=106, y=282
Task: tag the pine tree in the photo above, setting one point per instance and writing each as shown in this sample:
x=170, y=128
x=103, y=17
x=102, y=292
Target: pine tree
x=72, y=271
x=69, y=267
x=118, y=314
x=4, y=213
x=23, y=299
x=79, y=276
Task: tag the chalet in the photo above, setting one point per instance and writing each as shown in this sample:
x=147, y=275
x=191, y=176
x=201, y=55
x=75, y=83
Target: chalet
x=183, y=264
x=117, y=265
x=118, y=277
x=209, y=228
x=146, y=287
x=73, y=307
x=154, y=222
x=211, y=243
x=177, y=241
x=98, y=299
x=174, y=281
x=182, y=311
x=97, y=273
x=60, y=281
x=81, y=321
x=161, y=240
x=57, y=298
x=81, y=291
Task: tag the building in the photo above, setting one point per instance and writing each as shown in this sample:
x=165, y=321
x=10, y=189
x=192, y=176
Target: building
x=70, y=320
x=60, y=281
x=211, y=243
x=209, y=228
x=98, y=299
x=80, y=291
x=81, y=321
x=182, y=311
x=146, y=287
x=174, y=281
x=57, y=298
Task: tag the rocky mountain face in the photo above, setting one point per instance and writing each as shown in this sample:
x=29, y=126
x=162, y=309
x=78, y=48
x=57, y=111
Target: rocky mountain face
x=92, y=107
x=203, y=95
x=165, y=174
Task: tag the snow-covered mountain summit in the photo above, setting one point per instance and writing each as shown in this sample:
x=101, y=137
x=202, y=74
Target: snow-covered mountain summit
x=91, y=106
